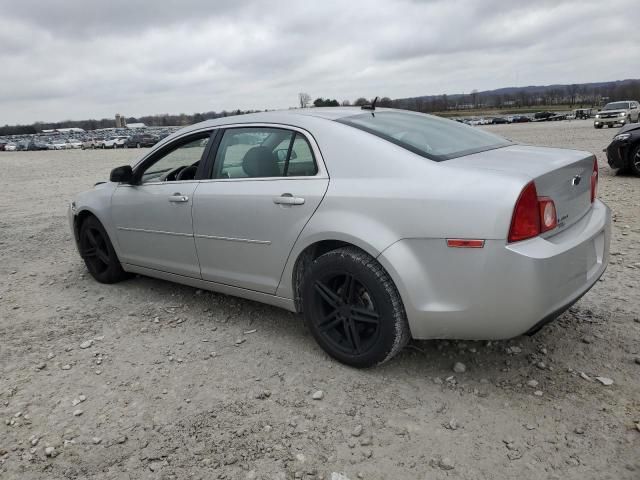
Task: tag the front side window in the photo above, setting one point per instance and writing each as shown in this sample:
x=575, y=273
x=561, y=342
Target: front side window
x=263, y=152
x=180, y=163
x=427, y=135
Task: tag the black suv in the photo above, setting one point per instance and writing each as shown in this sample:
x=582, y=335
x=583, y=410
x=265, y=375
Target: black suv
x=141, y=140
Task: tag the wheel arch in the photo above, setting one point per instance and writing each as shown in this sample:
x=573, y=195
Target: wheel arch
x=313, y=250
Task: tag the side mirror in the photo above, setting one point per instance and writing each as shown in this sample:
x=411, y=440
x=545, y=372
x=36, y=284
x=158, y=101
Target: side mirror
x=121, y=174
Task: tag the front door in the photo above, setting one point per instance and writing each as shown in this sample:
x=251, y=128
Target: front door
x=265, y=186
x=153, y=217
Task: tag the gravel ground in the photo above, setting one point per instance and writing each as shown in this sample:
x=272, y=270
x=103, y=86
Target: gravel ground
x=147, y=379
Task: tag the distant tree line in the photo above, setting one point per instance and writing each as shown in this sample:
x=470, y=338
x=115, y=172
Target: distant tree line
x=576, y=96
x=161, y=120
x=544, y=97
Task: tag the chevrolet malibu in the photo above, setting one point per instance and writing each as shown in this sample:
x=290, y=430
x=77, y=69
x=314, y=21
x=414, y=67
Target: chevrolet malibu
x=377, y=225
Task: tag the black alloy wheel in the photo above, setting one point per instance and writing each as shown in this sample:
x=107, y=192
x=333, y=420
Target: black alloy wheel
x=349, y=320
x=353, y=308
x=98, y=253
x=634, y=160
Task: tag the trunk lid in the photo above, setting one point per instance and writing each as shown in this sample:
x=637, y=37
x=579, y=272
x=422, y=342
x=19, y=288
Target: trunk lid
x=560, y=174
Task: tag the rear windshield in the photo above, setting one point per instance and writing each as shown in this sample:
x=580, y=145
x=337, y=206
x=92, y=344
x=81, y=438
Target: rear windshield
x=432, y=137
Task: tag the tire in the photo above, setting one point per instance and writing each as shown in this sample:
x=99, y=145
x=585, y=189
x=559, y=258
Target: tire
x=98, y=253
x=353, y=309
x=598, y=126
x=634, y=160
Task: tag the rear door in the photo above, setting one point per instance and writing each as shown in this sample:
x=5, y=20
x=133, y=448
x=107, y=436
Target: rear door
x=264, y=185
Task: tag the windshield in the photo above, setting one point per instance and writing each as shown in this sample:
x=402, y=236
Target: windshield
x=617, y=106
x=432, y=137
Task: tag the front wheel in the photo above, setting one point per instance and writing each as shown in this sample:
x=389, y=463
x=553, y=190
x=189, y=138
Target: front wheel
x=353, y=308
x=634, y=161
x=98, y=253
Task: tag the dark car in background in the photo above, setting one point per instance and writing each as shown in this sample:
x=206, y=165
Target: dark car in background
x=499, y=121
x=624, y=150
x=37, y=145
x=141, y=140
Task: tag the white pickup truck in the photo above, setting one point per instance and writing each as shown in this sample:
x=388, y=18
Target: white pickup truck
x=617, y=113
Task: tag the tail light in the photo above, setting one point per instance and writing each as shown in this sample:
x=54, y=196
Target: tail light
x=548, y=217
x=594, y=180
x=532, y=215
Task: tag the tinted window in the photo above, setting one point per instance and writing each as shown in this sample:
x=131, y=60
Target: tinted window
x=169, y=166
x=263, y=152
x=432, y=137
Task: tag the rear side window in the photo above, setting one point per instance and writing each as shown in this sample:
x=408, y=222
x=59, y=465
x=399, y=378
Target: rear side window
x=263, y=152
x=429, y=136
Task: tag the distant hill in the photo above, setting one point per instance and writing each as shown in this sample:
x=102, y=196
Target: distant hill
x=592, y=94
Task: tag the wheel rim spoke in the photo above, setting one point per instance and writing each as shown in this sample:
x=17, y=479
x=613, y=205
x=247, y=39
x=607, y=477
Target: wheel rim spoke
x=331, y=323
x=102, y=256
x=348, y=288
x=92, y=239
x=355, y=336
x=363, y=315
x=328, y=295
x=89, y=252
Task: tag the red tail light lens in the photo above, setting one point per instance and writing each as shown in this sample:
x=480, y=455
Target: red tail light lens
x=594, y=180
x=532, y=215
x=525, y=222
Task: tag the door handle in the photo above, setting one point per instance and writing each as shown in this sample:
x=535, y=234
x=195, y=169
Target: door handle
x=288, y=199
x=178, y=198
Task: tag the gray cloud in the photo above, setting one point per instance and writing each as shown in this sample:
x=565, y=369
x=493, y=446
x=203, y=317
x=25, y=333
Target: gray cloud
x=79, y=59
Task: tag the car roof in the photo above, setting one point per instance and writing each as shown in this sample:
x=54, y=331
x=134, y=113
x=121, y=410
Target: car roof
x=288, y=117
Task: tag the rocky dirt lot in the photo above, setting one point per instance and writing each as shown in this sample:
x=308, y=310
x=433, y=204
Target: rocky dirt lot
x=147, y=379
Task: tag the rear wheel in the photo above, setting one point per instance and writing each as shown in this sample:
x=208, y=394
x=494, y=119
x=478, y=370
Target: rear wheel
x=634, y=160
x=353, y=308
x=98, y=253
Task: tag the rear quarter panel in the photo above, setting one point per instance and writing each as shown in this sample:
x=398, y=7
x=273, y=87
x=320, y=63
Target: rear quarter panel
x=380, y=193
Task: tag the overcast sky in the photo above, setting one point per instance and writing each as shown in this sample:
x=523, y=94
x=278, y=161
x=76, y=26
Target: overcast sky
x=72, y=59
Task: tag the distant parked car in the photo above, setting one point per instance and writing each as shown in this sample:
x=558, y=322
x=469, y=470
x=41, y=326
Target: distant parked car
x=91, y=143
x=624, y=150
x=499, y=120
x=583, y=113
x=57, y=144
x=617, y=113
x=141, y=140
x=543, y=115
x=114, y=142
x=73, y=143
x=37, y=145
x=10, y=147
x=520, y=119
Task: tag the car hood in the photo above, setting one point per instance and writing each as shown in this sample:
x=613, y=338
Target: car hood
x=628, y=127
x=612, y=111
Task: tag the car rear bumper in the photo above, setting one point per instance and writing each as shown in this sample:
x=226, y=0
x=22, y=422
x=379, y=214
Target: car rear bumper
x=501, y=290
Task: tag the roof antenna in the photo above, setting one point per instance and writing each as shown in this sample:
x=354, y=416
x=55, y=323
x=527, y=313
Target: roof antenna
x=370, y=106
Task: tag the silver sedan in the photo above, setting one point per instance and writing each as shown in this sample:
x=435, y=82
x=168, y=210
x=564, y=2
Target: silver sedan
x=377, y=225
